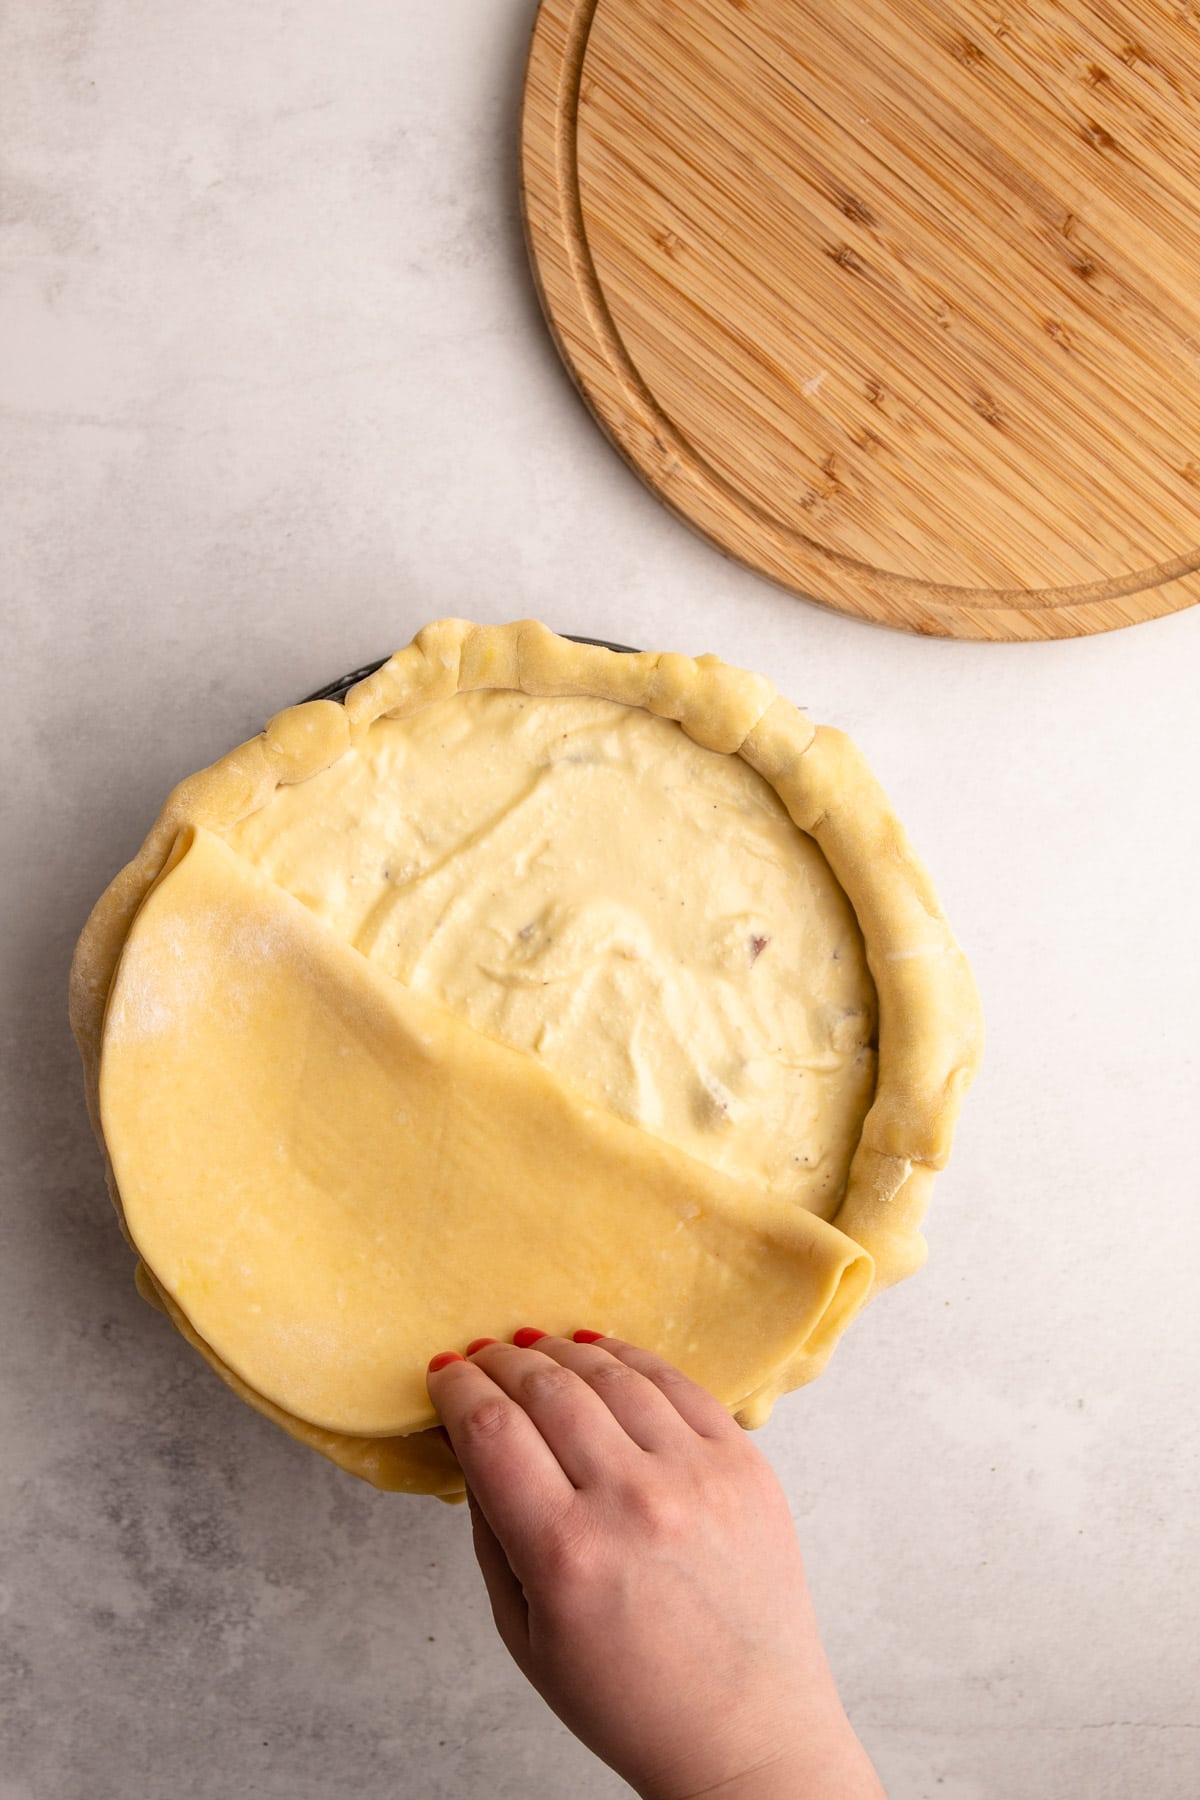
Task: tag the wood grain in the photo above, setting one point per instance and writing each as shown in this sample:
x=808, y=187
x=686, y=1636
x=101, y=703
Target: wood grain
x=897, y=301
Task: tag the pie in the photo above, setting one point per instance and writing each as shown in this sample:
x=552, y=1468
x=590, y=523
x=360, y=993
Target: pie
x=534, y=983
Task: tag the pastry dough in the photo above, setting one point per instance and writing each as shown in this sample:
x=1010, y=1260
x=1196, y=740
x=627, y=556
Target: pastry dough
x=771, y=1261
x=331, y=1176
x=580, y=880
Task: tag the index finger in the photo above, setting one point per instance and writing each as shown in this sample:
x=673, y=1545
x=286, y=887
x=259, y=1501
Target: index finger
x=509, y=1467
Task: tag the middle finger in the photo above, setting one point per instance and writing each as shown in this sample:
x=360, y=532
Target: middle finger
x=642, y=1410
x=579, y=1428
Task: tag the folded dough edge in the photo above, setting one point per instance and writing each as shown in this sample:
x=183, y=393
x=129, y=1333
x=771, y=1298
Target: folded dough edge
x=230, y=991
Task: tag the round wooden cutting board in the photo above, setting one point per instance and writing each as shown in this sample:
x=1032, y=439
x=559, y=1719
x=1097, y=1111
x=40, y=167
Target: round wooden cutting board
x=897, y=301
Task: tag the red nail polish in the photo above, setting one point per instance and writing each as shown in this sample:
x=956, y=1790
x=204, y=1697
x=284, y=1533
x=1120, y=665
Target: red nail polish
x=443, y=1360
x=478, y=1344
x=528, y=1335
x=587, y=1337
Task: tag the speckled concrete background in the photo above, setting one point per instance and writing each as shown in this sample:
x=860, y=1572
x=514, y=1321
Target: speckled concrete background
x=275, y=391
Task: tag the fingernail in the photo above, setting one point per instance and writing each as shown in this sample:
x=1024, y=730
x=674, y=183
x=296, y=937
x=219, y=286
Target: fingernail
x=478, y=1344
x=443, y=1360
x=528, y=1334
x=587, y=1337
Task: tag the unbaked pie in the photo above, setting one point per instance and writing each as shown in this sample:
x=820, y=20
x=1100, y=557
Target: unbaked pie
x=535, y=982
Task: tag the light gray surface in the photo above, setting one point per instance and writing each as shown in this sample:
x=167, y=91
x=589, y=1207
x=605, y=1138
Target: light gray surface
x=276, y=392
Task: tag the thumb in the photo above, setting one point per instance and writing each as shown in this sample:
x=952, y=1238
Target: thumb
x=505, y=1592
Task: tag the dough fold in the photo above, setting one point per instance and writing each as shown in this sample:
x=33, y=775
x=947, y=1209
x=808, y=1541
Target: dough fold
x=330, y=1178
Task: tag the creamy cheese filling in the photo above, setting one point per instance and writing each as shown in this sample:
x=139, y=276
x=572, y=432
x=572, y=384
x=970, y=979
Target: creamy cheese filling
x=581, y=881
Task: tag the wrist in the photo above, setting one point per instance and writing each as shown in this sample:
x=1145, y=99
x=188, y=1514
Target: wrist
x=825, y=1764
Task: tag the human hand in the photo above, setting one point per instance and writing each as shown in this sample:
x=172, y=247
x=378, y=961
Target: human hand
x=644, y=1572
